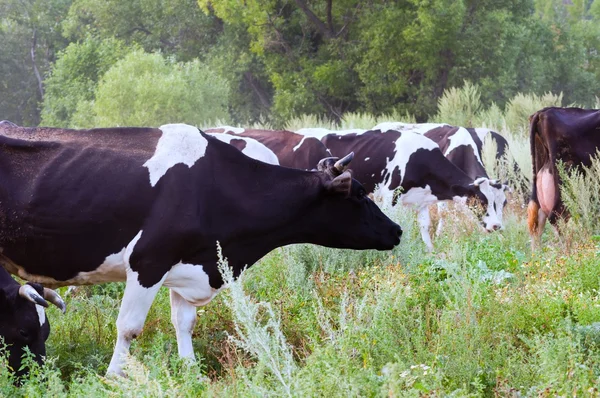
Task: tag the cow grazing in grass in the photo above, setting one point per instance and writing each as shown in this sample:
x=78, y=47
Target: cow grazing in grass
x=23, y=322
x=292, y=150
x=148, y=206
x=412, y=162
x=570, y=135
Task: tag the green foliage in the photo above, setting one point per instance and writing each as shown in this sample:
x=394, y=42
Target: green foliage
x=71, y=85
x=580, y=192
x=149, y=89
x=519, y=108
x=459, y=106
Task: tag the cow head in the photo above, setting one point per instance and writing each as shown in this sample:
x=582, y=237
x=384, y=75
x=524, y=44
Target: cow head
x=492, y=196
x=349, y=218
x=23, y=321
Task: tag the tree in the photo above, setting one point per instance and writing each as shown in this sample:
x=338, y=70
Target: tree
x=72, y=83
x=145, y=89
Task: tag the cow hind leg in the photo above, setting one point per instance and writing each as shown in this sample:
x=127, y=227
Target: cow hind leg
x=132, y=315
x=536, y=220
x=183, y=317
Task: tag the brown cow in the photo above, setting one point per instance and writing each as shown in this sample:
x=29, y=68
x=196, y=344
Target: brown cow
x=571, y=135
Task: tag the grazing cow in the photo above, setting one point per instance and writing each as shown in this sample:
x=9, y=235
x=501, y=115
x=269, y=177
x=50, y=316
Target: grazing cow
x=462, y=146
x=292, y=150
x=414, y=163
x=571, y=135
x=147, y=206
x=249, y=147
x=23, y=322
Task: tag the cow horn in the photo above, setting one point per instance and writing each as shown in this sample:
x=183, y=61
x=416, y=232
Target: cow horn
x=342, y=164
x=55, y=299
x=28, y=292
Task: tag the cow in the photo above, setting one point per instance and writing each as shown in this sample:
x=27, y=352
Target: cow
x=570, y=135
x=462, y=146
x=249, y=147
x=148, y=205
x=412, y=162
x=292, y=150
x=23, y=322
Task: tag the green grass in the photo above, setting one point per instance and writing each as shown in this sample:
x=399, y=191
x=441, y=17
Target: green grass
x=480, y=316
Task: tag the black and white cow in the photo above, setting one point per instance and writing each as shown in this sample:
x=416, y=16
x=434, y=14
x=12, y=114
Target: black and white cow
x=292, y=150
x=23, y=322
x=147, y=206
x=412, y=162
x=463, y=147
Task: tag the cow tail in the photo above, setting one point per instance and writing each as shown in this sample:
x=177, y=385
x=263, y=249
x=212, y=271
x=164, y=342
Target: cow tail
x=533, y=207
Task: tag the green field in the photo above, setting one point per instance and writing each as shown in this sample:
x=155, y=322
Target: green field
x=480, y=316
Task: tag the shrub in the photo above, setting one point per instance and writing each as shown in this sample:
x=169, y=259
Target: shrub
x=459, y=106
x=150, y=90
x=521, y=106
x=580, y=192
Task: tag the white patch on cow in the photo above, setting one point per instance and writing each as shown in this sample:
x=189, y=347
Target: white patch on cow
x=417, y=128
x=462, y=138
x=367, y=159
x=234, y=130
x=191, y=283
x=300, y=143
x=41, y=314
x=253, y=148
x=319, y=132
x=418, y=197
x=179, y=143
x=372, y=175
x=405, y=146
x=482, y=132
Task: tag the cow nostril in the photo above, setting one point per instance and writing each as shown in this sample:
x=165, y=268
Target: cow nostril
x=496, y=227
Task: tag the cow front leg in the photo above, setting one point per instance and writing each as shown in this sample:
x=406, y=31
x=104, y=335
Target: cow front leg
x=135, y=305
x=183, y=317
x=424, y=222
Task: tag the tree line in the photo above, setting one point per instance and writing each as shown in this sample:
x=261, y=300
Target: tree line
x=84, y=63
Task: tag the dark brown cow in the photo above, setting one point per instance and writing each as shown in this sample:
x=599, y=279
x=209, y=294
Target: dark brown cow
x=571, y=135
x=292, y=150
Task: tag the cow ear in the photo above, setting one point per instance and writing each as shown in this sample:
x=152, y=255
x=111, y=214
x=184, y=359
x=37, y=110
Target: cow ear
x=340, y=185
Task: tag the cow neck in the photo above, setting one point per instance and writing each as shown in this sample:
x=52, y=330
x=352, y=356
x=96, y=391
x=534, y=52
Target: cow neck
x=5, y=278
x=444, y=181
x=276, y=215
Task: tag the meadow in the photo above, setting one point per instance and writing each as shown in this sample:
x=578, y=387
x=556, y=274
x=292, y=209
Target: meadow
x=482, y=315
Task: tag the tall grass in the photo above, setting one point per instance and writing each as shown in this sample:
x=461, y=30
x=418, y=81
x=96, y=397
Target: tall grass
x=519, y=108
x=580, y=192
x=459, y=106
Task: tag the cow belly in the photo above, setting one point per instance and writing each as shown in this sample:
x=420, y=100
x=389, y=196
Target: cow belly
x=113, y=269
x=419, y=197
x=192, y=283
x=546, y=189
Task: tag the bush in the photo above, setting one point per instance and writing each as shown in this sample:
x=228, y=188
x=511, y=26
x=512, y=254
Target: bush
x=522, y=106
x=580, y=192
x=150, y=90
x=459, y=106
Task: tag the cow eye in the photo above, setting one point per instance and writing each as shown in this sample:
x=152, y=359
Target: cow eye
x=24, y=333
x=361, y=194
